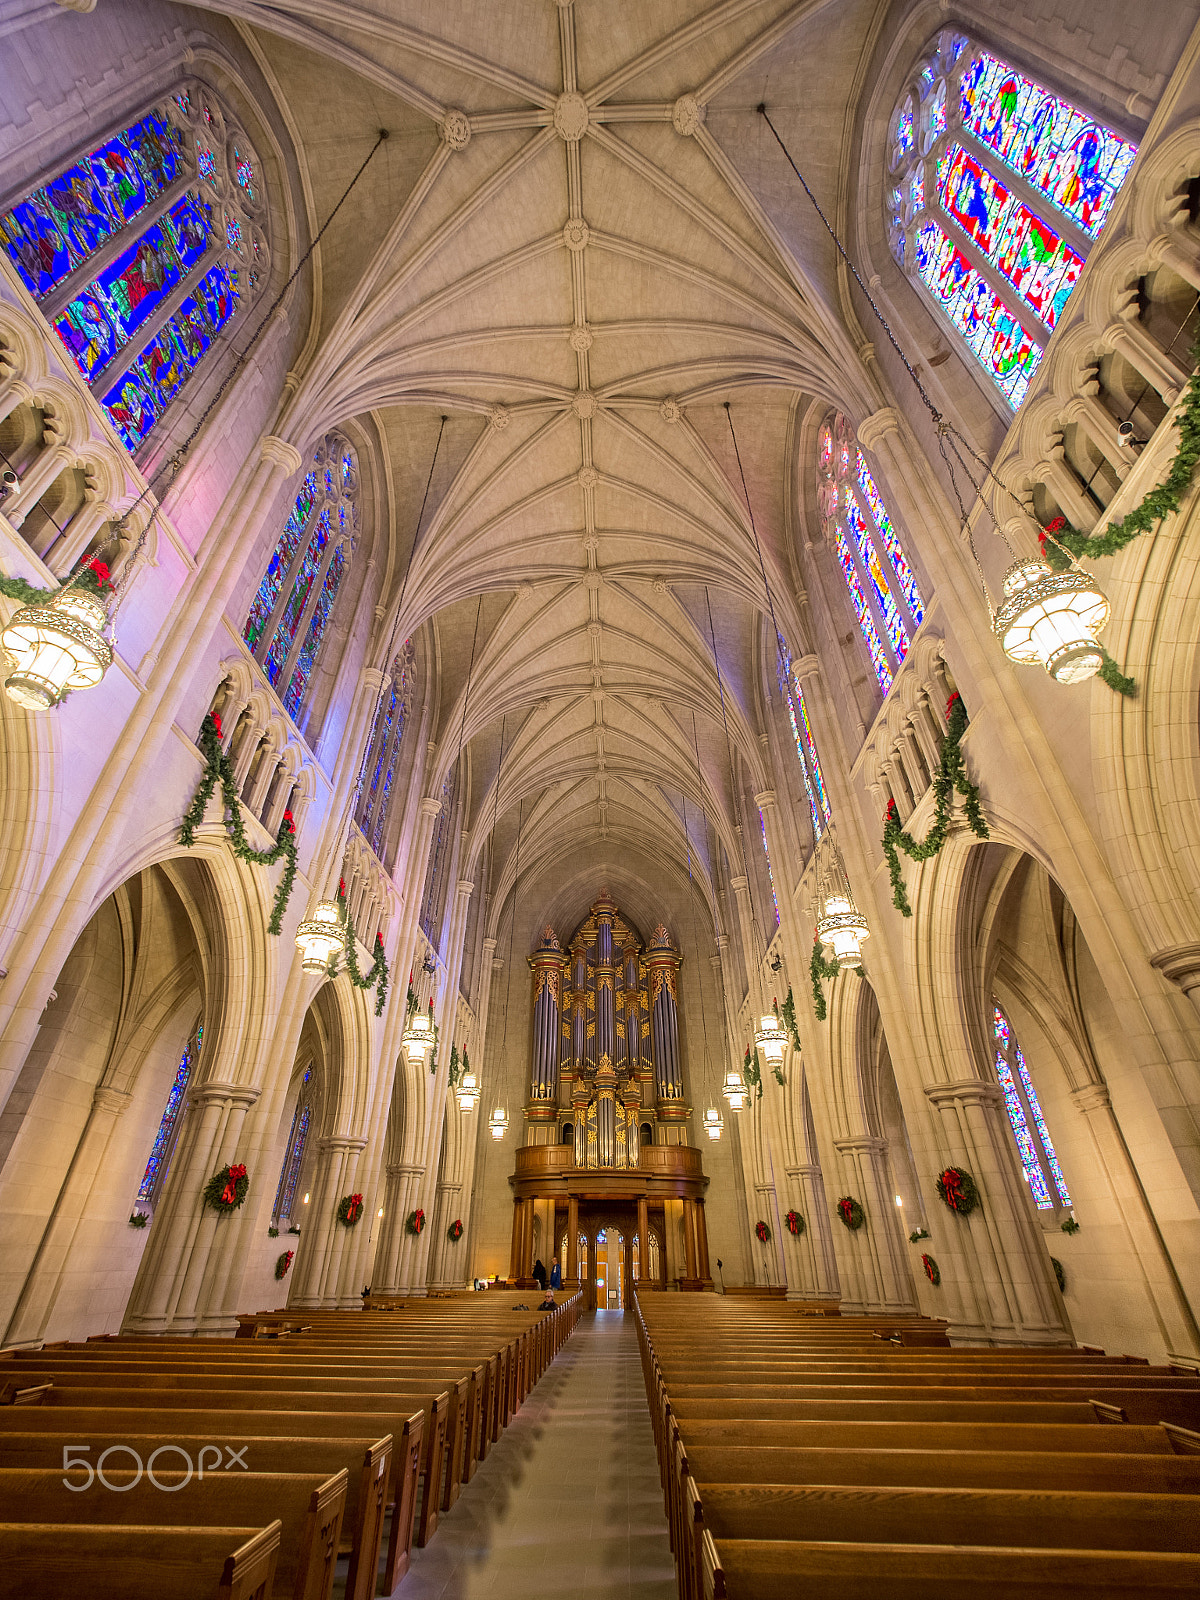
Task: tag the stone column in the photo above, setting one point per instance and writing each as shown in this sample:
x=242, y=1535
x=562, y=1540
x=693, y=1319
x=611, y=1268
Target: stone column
x=65, y=549
x=702, y=1242
x=1160, y=370
x=814, y=1248
x=885, y=1283
x=572, y=1266
x=35, y=480
x=643, y=1228
x=325, y=1238
x=689, y=1239
x=401, y=1179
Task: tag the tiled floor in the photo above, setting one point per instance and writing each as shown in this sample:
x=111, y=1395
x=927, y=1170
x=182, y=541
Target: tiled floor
x=568, y=1503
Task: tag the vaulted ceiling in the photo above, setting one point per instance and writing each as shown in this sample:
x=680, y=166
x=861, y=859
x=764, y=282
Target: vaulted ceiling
x=578, y=242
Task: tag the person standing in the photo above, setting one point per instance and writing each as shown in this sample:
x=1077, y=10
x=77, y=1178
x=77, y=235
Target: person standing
x=539, y=1273
x=555, y=1274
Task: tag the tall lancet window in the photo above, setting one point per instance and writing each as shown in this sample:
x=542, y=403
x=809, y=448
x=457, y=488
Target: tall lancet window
x=167, y=1136
x=290, y=614
x=1034, y=1145
x=144, y=252
x=884, y=593
x=384, y=751
x=792, y=691
x=762, y=823
x=997, y=188
x=293, y=1155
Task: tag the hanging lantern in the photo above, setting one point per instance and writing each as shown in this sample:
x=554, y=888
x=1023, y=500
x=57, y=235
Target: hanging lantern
x=56, y=648
x=1053, y=619
x=771, y=1039
x=713, y=1123
x=417, y=1040
x=321, y=937
x=498, y=1126
x=734, y=1089
x=843, y=926
x=468, y=1092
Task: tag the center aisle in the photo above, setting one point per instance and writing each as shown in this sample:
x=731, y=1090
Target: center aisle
x=569, y=1502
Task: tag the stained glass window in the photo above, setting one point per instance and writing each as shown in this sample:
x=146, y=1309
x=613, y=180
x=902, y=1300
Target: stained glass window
x=293, y=1156
x=289, y=617
x=383, y=752
x=168, y=1128
x=139, y=304
x=806, y=745
x=1034, y=1146
x=995, y=200
x=770, y=875
x=883, y=589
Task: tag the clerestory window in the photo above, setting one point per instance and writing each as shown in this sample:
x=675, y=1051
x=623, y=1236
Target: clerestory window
x=1034, y=1145
x=289, y=617
x=143, y=253
x=806, y=746
x=997, y=188
x=169, y=1125
x=383, y=752
x=884, y=593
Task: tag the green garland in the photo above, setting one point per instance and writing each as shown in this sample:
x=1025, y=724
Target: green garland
x=218, y=766
x=819, y=968
x=918, y=1233
x=92, y=577
x=453, y=1075
x=377, y=972
x=1059, y=1274
x=752, y=1071
x=787, y=1012
x=950, y=775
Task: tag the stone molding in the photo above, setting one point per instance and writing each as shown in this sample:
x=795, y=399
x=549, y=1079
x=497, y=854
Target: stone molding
x=968, y=1091
x=280, y=453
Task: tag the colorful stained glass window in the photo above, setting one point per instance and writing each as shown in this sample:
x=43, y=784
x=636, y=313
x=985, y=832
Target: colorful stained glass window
x=384, y=750
x=243, y=171
x=289, y=615
x=233, y=232
x=1001, y=165
x=1034, y=1145
x=1077, y=163
x=770, y=875
x=293, y=1160
x=893, y=622
x=998, y=341
x=904, y=573
x=164, y=1139
x=206, y=163
x=862, y=611
x=810, y=746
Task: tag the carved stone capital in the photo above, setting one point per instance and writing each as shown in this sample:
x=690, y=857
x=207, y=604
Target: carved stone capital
x=340, y=1141
x=969, y=1091
x=1092, y=1097
x=431, y=807
x=739, y=885
x=106, y=1098
x=861, y=1144
x=807, y=669
x=873, y=429
x=1180, y=963
x=280, y=453
x=232, y=1094
x=464, y=888
x=766, y=800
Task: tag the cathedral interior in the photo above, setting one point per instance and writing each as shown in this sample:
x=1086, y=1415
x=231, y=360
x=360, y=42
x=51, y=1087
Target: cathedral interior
x=596, y=663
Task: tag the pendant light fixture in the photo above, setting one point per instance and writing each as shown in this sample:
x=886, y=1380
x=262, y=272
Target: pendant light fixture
x=498, y=1123
x=770, y=1039
x=322, y=937
x=1046, y=618
x=467, y=1092
x=417, y=1039
x=839, y=921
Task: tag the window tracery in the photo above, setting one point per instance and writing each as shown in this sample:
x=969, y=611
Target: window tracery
x=806, y=746
x=165, y=1139
x=375, y=801
x=290, y=614
x=1034, y=1145
x=143, y=252
x=884, y=593
x=997, y=188
x=293, y=1155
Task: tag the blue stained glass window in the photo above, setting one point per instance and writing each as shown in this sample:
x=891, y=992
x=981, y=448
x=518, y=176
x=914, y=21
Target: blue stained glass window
x=293, y=1159
x=770, y=875
x=384, y=751
x=293, y=611
x=164, y=1139
x=243, y=171
x=1034, y=1145
x=281, y=560
x=310, y=649
x=806, y=746
x=810, y=744
x=904, y=573
x=865, y=545
x=862, y=611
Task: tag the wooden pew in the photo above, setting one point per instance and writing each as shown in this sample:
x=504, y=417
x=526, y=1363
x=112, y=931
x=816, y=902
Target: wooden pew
x=308, y=1509
x=137, y=1563
x=366, y=1463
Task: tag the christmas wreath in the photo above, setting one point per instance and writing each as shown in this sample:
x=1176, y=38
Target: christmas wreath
x=350, y=1209
x=217, y=766
x=950, y=775
x=416, y=1221
x=284, y=1262
x=931, y=1270
x=455, y=1231
x=226, y=1189
x=762, y=1233
x=957, y=1189
x=851, y=1213
x=795, y=1223
x=1059, y=1274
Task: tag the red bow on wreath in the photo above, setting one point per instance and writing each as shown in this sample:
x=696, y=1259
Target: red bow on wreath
x=229, y=1192
x=216, y=722
x=950, y=703
x=100, y=568
x=355, y=1206
x=290, y=820
x=846, y=1207
x=760, y=1229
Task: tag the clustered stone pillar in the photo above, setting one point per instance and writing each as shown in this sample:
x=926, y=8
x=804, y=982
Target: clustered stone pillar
x=548, y=965
x=325, y=1238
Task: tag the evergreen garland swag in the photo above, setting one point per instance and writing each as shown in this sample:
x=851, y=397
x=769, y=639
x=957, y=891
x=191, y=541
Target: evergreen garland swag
x=752, y=1071
x=377, y=972
x=950, y=775
x=932, y=1271
x=762, y=1233
x=957, y=1188
x=284, y=1262
x=819, y=968
x=226, y=1189
x=92, y=578
x=787, y=1012
x=795, y=1224
x=415, y=1223
x=455, y=1231
x=851, y=1212
x=218, y=766
x=350, y=1209
x=1059, y=1274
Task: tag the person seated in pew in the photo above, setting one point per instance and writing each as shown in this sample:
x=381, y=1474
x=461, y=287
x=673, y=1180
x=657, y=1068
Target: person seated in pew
x=548, y=1304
